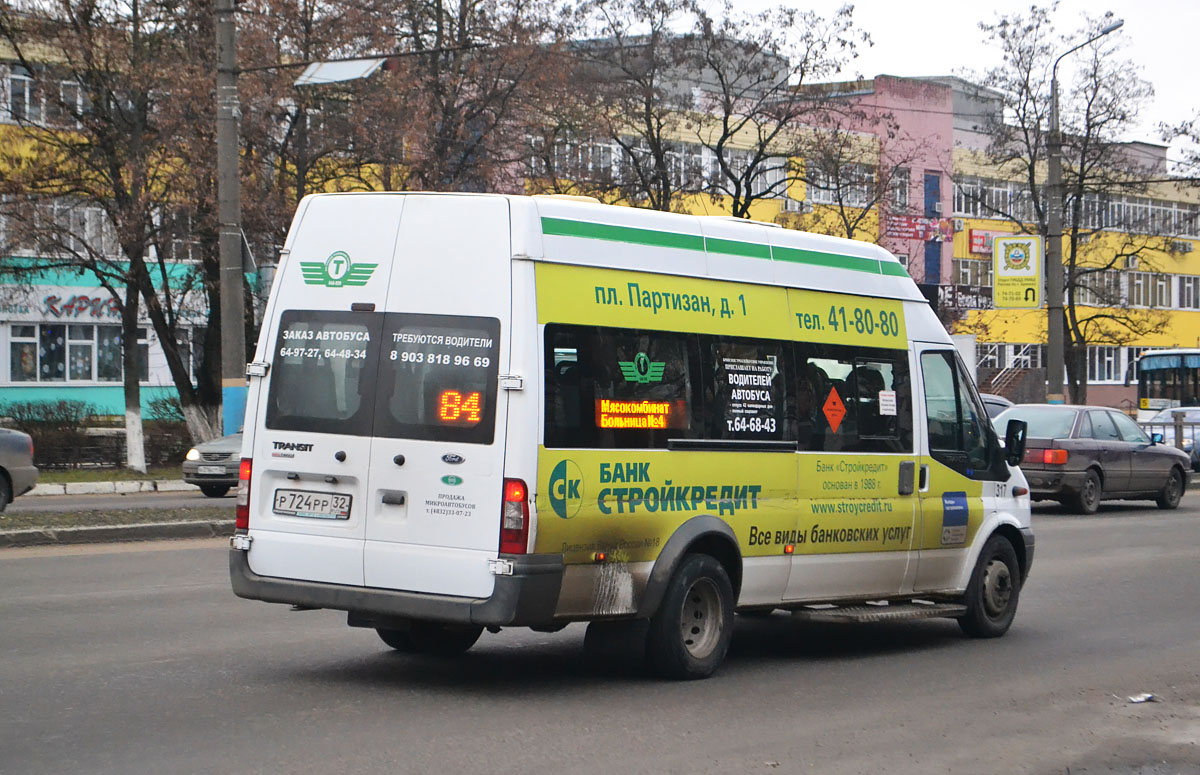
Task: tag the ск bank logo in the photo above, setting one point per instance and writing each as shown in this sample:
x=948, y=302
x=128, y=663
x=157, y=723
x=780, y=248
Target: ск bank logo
x=337, y=271
x=566, y=489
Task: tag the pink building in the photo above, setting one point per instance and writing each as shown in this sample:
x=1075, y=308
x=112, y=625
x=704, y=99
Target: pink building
x=914, y=120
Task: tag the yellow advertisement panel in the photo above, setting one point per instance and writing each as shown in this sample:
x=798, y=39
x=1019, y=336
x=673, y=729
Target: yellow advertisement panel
x=627, y=503
x=1017, y=271
x=611, y=297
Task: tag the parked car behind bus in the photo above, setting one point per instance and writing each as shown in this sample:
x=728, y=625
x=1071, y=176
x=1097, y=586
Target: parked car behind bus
x=1081, y=455
x=1164, y=423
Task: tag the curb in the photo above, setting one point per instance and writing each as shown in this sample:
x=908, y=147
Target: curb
x=109, y=488
x=113, y=533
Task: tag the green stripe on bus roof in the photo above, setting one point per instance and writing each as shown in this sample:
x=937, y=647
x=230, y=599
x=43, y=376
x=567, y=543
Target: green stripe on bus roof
x=564, y=227
x=737, y=248
x=663, y=239
x=832, y=260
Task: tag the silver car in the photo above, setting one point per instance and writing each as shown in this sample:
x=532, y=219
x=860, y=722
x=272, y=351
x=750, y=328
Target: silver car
x=17, y=472
x=214, y=464
x=1164, y=423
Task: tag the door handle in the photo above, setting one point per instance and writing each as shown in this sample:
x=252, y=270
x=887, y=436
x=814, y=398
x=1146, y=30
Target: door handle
x=923, y=484
x=393, y=498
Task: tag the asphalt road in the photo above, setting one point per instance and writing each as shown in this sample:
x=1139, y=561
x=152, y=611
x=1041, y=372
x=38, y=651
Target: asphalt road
x=138, y=659
x=139, y=500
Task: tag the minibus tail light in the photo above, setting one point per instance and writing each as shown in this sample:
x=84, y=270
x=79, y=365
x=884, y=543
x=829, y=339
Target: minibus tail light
x=514, y=518
x=242, y=521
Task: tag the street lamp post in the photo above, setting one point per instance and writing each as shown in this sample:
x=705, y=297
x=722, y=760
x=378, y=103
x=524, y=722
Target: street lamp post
x=1055, y=322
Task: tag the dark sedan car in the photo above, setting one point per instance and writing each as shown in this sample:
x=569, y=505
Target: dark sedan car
x=214, y=464
x=1081, y=455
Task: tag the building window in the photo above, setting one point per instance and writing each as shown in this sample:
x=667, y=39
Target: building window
x=898, y=190
x=850, y=185
x=1026, y=356
x=988, y=356
x=1098, y=289
x=1148, y=289
x=1189, y=292
x=62, y=352
x=24, y=96
x=973, y=271
x=1104, y=364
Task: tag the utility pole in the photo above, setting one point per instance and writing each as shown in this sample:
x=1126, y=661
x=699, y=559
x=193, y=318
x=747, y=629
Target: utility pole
x=229, y=212
x=1055, y=319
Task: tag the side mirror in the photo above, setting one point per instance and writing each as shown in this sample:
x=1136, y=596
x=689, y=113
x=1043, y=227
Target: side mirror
x=1014, y=441
x=1156, y=438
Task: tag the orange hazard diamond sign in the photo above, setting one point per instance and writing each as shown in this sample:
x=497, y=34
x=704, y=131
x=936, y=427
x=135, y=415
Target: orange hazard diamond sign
x=834, y=409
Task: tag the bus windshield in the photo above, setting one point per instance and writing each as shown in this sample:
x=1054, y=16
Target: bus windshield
x=1167, y=380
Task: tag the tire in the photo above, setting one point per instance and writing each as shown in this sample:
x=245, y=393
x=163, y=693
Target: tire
x=432, y=638
x=1087, y=501
x=993, y=591
x=6, y=495
x=214, y=490
x=1172, y=491
x=689, y=635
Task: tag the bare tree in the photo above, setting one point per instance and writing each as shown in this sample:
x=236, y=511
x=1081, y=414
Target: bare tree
x=110, y=140
x=1107, y=228
x=751, y=104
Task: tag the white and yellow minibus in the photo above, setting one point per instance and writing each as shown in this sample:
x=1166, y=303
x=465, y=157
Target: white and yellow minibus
x=483, y=411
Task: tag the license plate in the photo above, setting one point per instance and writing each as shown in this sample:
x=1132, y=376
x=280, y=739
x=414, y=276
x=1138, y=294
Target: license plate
x=318, y=505
x=212, y=470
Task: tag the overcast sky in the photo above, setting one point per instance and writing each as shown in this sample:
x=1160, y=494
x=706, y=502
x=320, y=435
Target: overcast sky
x=942, y=37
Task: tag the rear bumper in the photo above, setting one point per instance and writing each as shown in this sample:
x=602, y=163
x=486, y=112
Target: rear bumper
x=192, y=475
x=1053, y=484
x=527, y=597
x=23, y=479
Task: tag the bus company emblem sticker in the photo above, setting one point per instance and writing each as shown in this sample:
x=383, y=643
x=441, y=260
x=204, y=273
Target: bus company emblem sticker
x=452, y=480
x=337, y=271
x=566, y=489
x=642, y=370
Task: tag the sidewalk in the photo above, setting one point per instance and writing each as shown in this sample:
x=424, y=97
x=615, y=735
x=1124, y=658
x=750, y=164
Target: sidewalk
x=143, y=523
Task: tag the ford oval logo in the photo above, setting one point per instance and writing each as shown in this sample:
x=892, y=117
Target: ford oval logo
x=453, y=459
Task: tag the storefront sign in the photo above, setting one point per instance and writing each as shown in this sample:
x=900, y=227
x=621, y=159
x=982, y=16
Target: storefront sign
x=77, y=306
x=981, y=240
x=1017, y=271
x=914, y=227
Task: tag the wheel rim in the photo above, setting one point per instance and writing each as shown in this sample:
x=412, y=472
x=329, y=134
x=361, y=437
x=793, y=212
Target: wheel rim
x=1089, y=492
x=1173, y=487
x=700, y=621
x=997, y=587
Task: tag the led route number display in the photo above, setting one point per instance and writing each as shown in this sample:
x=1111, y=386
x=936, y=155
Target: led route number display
x=452, y=367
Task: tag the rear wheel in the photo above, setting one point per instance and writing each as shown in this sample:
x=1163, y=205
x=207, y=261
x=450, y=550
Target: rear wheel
x=993, y=591
x=6, y=495
x=1172, y=491
x=214, y=490
x=690, y=634
x=1087, y=501
x=433, y=638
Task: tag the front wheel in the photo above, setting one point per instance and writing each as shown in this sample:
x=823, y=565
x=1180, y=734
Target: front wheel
x=214, y=490
x=993, y=591
x=1172, y=491
x=690, y=633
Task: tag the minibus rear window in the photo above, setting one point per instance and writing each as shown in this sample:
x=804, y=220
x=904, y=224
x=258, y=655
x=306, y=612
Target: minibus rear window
x=437, y=378
x=323, y=371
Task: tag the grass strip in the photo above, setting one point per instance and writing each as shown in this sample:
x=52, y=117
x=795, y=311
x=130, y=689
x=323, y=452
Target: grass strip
x=42, y=520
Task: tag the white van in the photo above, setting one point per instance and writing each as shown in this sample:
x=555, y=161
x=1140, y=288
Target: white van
x=471, y=411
